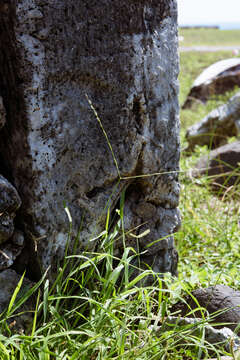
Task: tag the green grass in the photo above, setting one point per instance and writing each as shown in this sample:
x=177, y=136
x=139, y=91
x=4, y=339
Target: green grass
x=209, y=37
x=96, y=311
x=208, y=241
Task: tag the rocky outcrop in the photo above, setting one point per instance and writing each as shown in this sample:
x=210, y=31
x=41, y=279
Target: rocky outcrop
x=221, y=302
x=218, y=78
x=123, y=56
x=217, y=126
x=221, y=166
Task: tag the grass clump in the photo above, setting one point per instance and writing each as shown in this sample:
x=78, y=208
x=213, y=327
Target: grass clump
x=95, y=310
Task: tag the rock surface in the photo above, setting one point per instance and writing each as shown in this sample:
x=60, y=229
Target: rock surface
x=123, y=55
x=218, y=298
x=221, y=165
x=217, y=126
x=2, y=113
x=218, y=78
x=10, y=250
x=9, y=203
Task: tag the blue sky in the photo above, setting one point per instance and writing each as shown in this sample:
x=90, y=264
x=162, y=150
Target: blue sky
x=208, y=11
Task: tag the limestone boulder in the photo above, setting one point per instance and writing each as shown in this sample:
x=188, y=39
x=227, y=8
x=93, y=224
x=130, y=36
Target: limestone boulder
x=215, y=129
x=218, y=78
x=221, y=302
x=221, y=165
x=91, y=96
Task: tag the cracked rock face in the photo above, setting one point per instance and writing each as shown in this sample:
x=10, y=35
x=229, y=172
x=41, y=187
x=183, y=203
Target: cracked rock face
x=123, y=55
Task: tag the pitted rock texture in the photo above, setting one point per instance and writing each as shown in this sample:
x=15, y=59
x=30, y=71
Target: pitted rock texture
x=220, y=124
x=123, y=55
x=9, y=203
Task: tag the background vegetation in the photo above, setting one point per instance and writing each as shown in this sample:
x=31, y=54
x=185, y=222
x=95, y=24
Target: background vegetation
x=210, y=229
x=95, y=311
x=209, y=37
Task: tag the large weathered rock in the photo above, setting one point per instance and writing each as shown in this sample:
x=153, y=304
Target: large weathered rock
x=218, y=78
x=123, y=55
x=222, y=302
x=217, y=126
x=221, y=165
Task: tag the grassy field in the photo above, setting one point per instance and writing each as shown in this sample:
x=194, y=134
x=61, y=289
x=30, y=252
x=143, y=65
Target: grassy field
x=94, y=312
x=209, y=37
x=208, y=222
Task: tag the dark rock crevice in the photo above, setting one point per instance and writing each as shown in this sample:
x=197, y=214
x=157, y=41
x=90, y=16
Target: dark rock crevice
x=16, y=120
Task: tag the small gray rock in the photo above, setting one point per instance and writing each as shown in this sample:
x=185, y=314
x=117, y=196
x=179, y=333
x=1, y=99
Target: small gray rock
x=217, y=126
x=220, y=298
x=9, y=203
x=218, y=78
x=6, y=226
x=9, y=198
x=18, y=238
x=10, y=250
x=220, y=165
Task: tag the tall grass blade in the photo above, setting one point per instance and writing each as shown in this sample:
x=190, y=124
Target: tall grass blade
x=105, y=134
x=14, y=295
